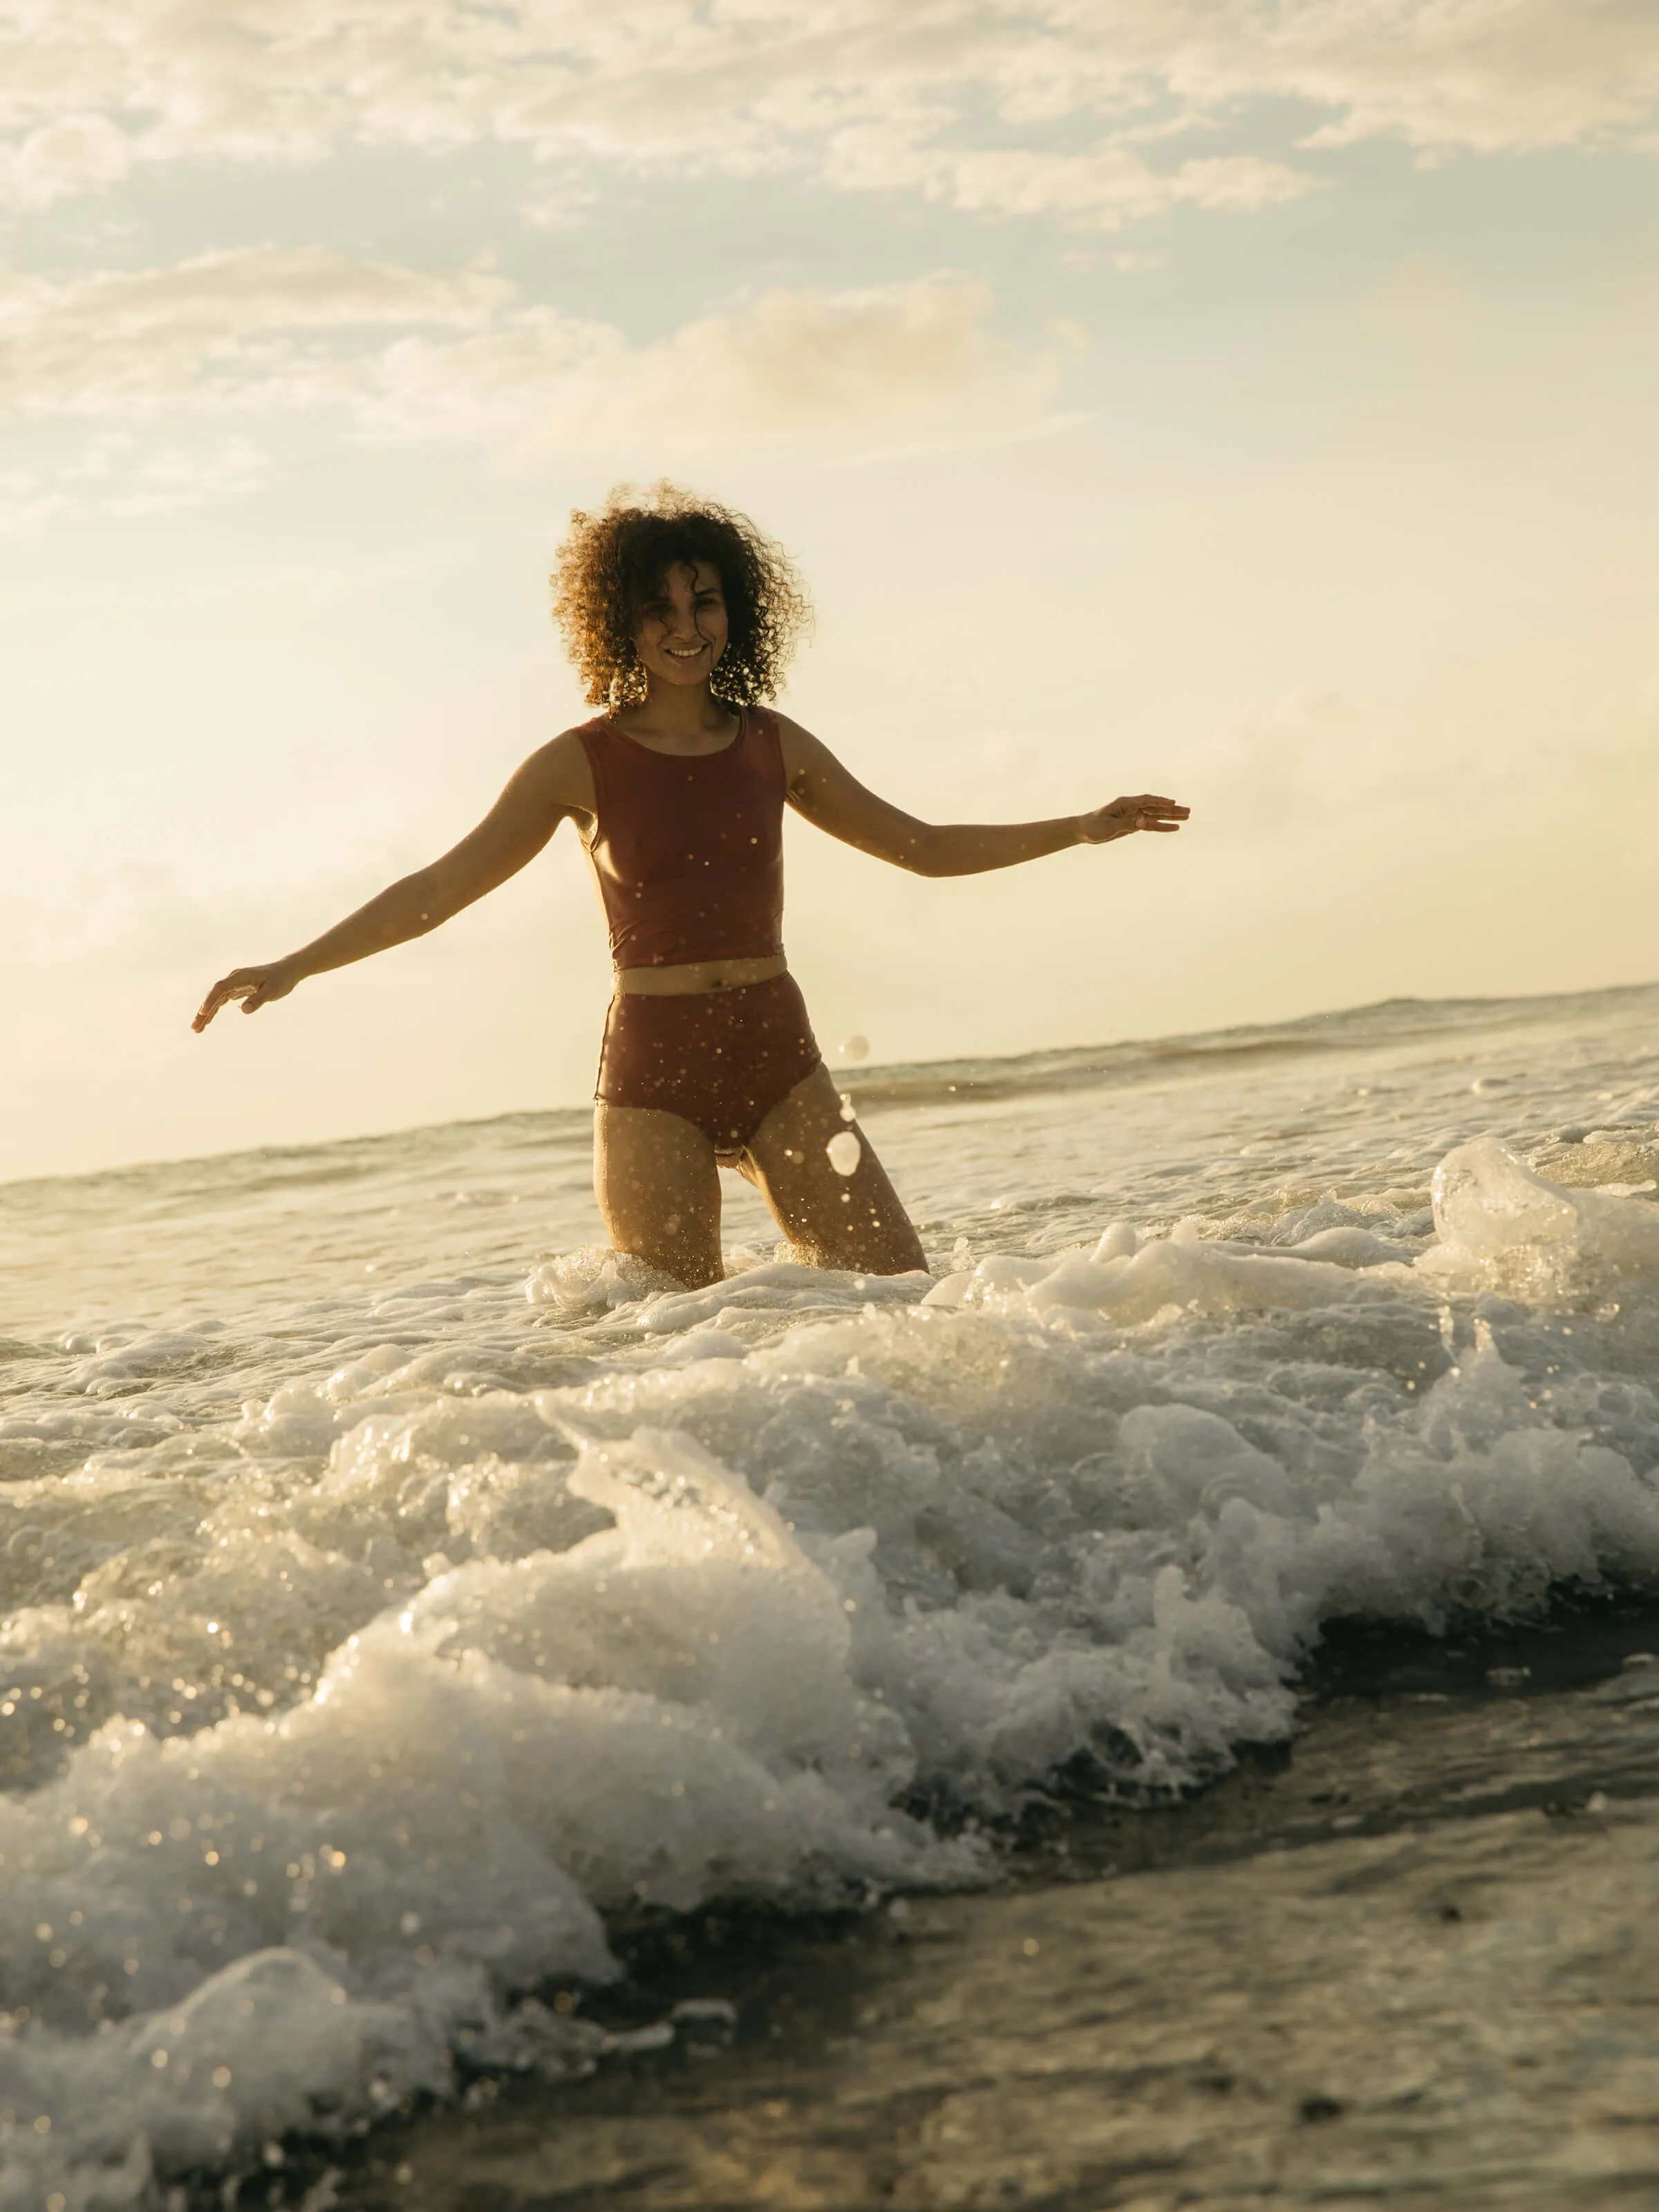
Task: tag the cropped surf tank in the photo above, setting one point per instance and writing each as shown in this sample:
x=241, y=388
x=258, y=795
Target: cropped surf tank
x=688, y=848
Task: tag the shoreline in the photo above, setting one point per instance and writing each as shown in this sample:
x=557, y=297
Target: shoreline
x=1414, y=1954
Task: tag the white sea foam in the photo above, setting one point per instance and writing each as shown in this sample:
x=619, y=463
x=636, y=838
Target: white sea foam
x=363, y=1659
x=1502, y=1226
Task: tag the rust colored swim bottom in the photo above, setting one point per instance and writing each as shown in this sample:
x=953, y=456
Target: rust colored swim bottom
x=720, y=1059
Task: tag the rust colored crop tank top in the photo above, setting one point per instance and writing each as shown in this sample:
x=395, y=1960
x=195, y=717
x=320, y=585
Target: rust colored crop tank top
x=688, y=848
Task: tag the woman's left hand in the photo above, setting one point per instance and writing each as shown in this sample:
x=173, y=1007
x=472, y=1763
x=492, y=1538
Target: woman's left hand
x=1125, y=815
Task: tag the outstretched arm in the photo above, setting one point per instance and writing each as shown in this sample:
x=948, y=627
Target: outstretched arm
x=830, y=796
x=551, y=783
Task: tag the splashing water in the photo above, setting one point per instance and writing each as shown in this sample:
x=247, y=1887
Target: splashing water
x=376, y=1633
x=845, y=1151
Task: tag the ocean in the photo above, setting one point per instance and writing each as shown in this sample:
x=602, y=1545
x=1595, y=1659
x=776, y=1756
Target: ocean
x=1165, y=1710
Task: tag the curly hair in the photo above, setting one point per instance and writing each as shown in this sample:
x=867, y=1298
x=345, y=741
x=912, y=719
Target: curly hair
x=611, y=562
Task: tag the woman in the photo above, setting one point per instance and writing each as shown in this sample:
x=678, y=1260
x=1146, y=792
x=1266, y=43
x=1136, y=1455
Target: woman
x=681, y=618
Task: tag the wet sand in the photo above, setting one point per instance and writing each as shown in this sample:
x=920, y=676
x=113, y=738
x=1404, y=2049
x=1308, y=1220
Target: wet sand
x=1414, y=1959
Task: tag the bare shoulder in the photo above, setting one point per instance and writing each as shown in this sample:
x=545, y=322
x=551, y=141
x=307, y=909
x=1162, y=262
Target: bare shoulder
x=789, y=729
x=802, y=751
x=557, y=775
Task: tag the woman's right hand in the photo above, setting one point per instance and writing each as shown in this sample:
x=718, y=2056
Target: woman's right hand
x=254, y=987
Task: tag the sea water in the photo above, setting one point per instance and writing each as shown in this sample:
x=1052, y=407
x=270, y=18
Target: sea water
x=401, y=1592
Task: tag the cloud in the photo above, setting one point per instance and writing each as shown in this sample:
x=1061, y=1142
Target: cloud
x=787, y=363
x=116, y=474
x=1311, y=758
x=856, y=94
x=264, y=327
x=1106, y=189
x=1485, y=76
x=1426, y=792
x=27, y=503
x=177, y=478
x=65, y=154
x=405, y=355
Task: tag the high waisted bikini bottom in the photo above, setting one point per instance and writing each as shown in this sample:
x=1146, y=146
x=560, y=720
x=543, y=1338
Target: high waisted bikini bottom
x=720, y=1059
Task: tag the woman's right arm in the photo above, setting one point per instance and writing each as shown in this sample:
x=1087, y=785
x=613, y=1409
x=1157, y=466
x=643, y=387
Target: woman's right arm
x=552, y=783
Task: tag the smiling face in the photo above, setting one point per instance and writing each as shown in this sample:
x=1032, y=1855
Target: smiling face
x=681, y=632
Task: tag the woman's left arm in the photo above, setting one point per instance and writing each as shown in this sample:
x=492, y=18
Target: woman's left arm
x=833, y=798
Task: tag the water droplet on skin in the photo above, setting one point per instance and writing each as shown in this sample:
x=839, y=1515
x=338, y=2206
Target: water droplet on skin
x=845, y=1151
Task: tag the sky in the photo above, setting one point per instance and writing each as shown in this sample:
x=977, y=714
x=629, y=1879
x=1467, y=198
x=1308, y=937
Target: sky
x=1245, y=400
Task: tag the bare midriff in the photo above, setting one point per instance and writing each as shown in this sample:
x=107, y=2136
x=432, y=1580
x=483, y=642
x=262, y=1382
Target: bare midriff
x=683, y=978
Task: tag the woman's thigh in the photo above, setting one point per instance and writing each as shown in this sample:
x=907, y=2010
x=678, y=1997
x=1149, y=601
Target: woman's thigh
x=843, y=1221
x=659, y=1189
